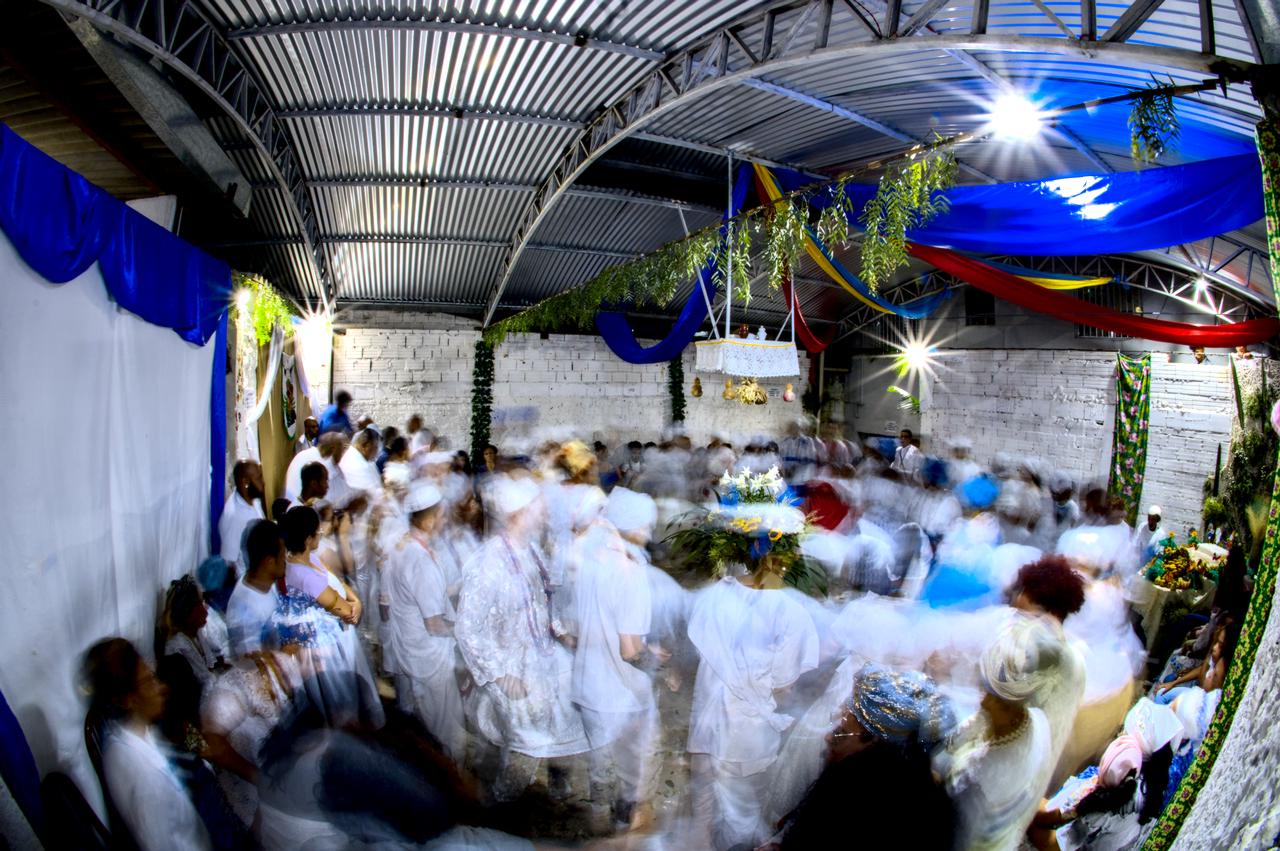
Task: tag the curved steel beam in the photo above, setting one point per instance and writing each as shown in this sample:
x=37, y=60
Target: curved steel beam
x=179, y=34
x=726, y=58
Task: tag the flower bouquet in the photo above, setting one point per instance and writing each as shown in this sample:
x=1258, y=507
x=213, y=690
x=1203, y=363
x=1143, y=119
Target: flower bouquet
x=756, y=523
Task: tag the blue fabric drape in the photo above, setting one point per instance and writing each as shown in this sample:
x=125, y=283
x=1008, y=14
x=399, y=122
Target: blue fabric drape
x=616, y=330
x=218, y=434
x=18, y=767
x=61, y=224
x=1090, y=214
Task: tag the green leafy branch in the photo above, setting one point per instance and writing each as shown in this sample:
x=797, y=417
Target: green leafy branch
x=909, y=196
x=907, y=401
x=1153, y=123
x=265, y=307
x=481, y=400
x=675, y=386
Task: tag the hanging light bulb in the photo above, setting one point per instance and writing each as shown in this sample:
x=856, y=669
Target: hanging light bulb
x=1014, y=117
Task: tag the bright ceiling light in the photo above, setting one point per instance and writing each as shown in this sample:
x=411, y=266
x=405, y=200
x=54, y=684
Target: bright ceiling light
x=1014, y=117
x=243, y=295
x=916, y=356
x=1201, y=284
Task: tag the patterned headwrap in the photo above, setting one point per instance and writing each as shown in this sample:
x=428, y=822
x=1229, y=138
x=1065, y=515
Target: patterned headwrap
x=900, y=707
x=1023, y=662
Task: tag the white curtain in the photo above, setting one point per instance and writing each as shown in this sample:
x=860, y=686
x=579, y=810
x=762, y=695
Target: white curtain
x=106, y=483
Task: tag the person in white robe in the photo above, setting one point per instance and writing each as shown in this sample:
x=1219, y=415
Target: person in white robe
x=422, y=616
x=908, y=460
x=328, y=451
x=242, y=508
x=519, y=665
x=752, y=643
x=612, y=686
x=997, y=766
x=139, y=774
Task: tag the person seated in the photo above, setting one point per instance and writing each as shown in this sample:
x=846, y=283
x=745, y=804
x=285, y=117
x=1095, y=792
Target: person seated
x=1208, y=675
x=137, y=767
x=878, y=767
x=1099, y=808
x=181, y=621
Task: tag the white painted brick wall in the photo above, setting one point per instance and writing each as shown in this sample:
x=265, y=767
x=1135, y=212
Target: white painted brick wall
x=1059, y=405
x=420, y=363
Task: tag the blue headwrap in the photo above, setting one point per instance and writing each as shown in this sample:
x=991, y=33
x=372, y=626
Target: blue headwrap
x=900, y=707
x=979, y=493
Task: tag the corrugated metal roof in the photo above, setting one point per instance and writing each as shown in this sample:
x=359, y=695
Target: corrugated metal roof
x=400, y=111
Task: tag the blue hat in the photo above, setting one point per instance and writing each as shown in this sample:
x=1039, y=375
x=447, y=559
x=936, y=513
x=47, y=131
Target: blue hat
x=979, y=493
x=212, y=573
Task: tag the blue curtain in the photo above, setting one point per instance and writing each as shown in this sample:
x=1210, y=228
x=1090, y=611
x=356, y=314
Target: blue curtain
x=18, y=767
x=1090, y=214
x=616, y=330
x=61, y=224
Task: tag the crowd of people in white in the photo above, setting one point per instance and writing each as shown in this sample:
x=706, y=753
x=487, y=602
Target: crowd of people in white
x=973, y=656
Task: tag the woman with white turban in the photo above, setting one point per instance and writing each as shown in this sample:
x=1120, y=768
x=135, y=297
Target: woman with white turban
x=422, y=617
x=997, y=768
x=611, y=686
x=504, y=630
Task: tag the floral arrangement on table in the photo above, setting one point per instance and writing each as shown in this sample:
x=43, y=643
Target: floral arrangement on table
x=1174, y=567
x=756, y=523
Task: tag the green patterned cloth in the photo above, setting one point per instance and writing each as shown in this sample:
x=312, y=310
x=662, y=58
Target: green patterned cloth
x=1264, y=583
x=1129, y=445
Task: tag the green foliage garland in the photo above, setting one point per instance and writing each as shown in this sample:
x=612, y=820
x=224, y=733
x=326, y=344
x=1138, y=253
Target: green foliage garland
x=909, y=196
x=1153, y=124
x=705, y=541
x=266, y=307
x=675, y=385
x=481, y=400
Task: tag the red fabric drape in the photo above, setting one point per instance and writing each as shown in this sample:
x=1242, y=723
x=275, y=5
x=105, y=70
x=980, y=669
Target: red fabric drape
x=812, y=342
x=1017, y=291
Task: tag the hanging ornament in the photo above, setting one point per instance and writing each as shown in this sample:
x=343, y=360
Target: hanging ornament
x=749, y=392
x=696, y=392
x=789, y=395
x=742, y=331
x=728, y=389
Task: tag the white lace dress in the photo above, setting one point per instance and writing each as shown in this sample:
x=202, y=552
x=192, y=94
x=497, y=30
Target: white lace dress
x=244, y=705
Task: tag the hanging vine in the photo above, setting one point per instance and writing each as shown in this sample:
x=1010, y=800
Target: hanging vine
x=481, y=400
x=264, y=307
x=909, y=196
x=1153, y=124
x=675, y=386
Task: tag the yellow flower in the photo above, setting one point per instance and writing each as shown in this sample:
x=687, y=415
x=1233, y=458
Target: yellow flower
x=775, y=534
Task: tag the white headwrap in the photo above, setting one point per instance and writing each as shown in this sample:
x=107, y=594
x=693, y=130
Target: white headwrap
x=1023, y=663
x=590, y=504
x=397, y=474
x=629, y=510
x=422, y=495
x=510, y=495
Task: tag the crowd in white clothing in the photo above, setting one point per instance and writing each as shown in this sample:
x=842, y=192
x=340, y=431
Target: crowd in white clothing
x=516, y=612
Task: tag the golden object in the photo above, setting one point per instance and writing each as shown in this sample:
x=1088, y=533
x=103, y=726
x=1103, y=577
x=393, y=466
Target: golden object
x=789, y=395
x=696, y=392
x=729, y=392
x=749, y=392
